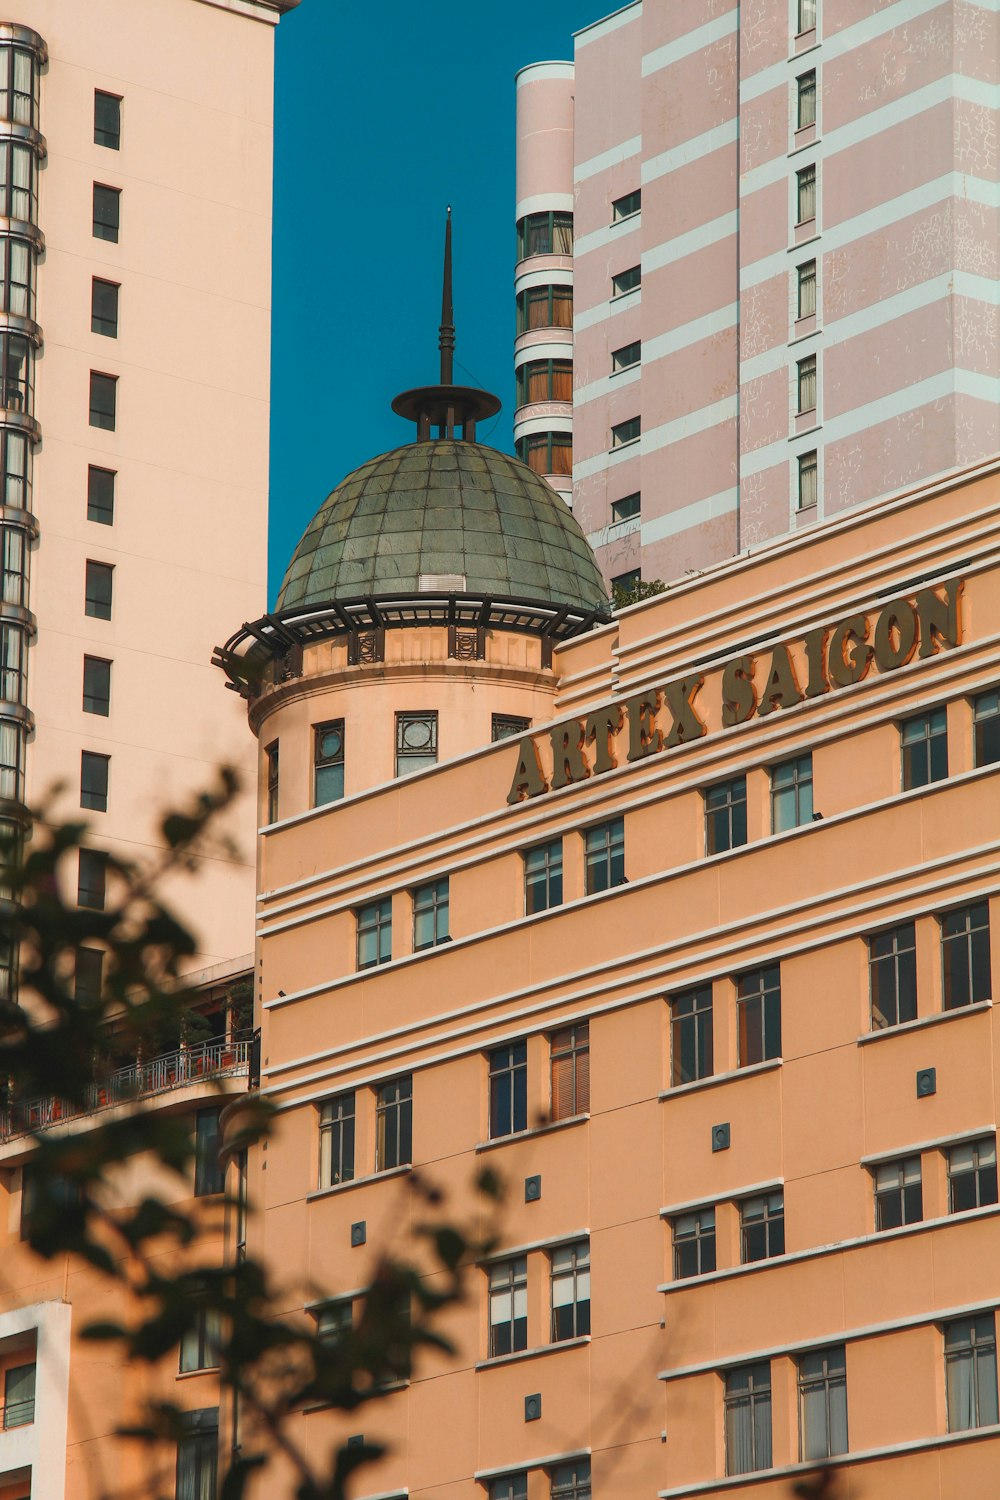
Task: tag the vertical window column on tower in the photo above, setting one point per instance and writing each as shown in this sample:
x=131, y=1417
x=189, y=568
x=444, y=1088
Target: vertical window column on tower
x=22, y=152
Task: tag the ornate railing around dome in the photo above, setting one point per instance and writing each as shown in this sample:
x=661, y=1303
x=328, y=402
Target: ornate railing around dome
x=275, y=641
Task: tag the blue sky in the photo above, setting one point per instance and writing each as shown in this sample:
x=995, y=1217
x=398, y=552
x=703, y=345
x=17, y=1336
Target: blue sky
x=384, y=114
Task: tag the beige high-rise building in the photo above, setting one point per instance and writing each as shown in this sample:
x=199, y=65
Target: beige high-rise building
x=135, y=274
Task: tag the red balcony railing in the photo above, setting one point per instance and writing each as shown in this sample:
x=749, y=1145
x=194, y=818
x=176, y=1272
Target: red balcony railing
x=139, y=1080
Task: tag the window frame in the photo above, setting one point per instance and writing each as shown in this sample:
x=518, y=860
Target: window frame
x=986, y=729
x=806, y=281
x=569, y=1055
x=623, y=433
x=100, y=508
x=728, y=807
x=547, y=297
x=933, y=743
x=203, y=1341
x=627, y=206
x=620, y=290
x=18, y=295
x=555, y=447
x=625, y=510
x=806, y=384
x=628, y=357
x=508, y=1089
x=107, y=212
x=766, y=995
x=507, y=727
x=604, y=843
x=898, y=1193
x=97, y=676
x=546, y=370
x=337, y=1139
x=978, y=1337
x=431, y=901
x=692, y=1031
x=374, y=920
x=109, y=136
x=507, y=1283
x=92, y=879
x=803, y=95
x=20, y=1411
x=797, y=789
x=325, y=763
x=104, y=323
x=693, y=1237
x=574, y=1273
x=806, y=194
x=550, y=220
x=272, y=780
x=198, y=1453
x=548, y=873
x=18, y=200
x=807, y=479
x=98, y=589
x=965, y=938
x=394, y=1123
x=769, y=1224
x=757, y=1394
x=209, y=1174
x=982, y=1172
x=409, y=758
x=103, y=401
x=892, y=976
x=95, y=780
x=831, y=1381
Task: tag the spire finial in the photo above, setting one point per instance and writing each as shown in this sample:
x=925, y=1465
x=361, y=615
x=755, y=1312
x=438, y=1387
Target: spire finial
x=446, y=332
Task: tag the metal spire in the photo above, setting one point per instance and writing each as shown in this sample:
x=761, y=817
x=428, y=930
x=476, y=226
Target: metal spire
x=446, y=331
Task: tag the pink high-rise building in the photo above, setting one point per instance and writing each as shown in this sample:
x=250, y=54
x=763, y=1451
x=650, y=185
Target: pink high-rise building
x=784, y=265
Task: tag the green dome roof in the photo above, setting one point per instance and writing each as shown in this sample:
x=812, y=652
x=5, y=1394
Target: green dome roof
x=430, y=514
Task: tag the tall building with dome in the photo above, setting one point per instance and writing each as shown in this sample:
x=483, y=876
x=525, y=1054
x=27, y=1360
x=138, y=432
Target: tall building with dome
x=680, y=921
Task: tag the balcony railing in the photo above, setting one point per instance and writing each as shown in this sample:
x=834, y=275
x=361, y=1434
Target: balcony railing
x=140, y=1080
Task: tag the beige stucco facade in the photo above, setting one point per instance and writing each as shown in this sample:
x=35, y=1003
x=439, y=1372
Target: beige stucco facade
x=858, y=638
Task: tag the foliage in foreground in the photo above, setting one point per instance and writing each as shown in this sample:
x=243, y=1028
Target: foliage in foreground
x=56, y=1041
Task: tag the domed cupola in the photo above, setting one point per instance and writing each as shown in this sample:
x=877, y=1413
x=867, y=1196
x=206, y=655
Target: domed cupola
x=435, y=556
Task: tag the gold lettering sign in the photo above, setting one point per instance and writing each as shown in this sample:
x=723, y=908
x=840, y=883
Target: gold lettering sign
x=660, y=718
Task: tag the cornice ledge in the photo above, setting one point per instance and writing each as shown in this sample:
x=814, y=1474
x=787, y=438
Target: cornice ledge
x=268, y=11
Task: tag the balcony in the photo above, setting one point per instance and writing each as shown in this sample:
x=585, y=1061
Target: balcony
x=140, y=1080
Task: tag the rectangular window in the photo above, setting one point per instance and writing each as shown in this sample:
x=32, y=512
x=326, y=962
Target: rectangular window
x=805, y=382
x=98, y=585
x=18, y=84
x=762, y=1227
x=209, y=1177
x=508, y=1306
x=200, y=1342
x=508, y=1089
x=691, y=1036
x=570, y=1281
x=726, y=816
x=570, y=1065
x=103, y=400
x=375, y=933
x=970, y=1368
x=336, y=1141
x=805, y=195
x=107, y=120
x=986, y=728
x=758, y=1015
x=506, y=726
x=627, y=508
x=623, y=208
x=972, y=1175
x=808, y=479
x=16, y=372
x=88, y=978
x=604, y=856
x=624, y=584
x=92, y=879
x=694, y=1243
x=806, y=16
x=96, y=686
x=823, y=1403
x=791, y=794
x=748, y=1419
x=626, y=281
x=571, y=1481
x=334, y=1320
x=18, y=182
x=19, y=1396
x=965, y=955
x=394, y=1124
x=626, y=432
x=543, y=877
x=924, y=745
x=430, y=914
x=94, y=770
x=14, y=562
x=544, y=380
x=899, y=1197
x=416, y=742
x=805, y=99
x=509, y=1487
x=627, y=356
x=806, y=289
x=546, y=452
x=107, y=212
x=101, y=495
x=17, y=277
x=104, y=307
x=15, y=470
x=546, y=233
x=892, y=974
x=328, y=762
x=272, y=769
x=544, y=307
x=198, y=1455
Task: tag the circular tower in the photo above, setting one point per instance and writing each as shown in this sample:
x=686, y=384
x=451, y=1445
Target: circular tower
x=417, y=616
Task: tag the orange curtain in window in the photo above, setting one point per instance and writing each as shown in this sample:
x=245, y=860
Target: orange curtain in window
x=562, y=381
